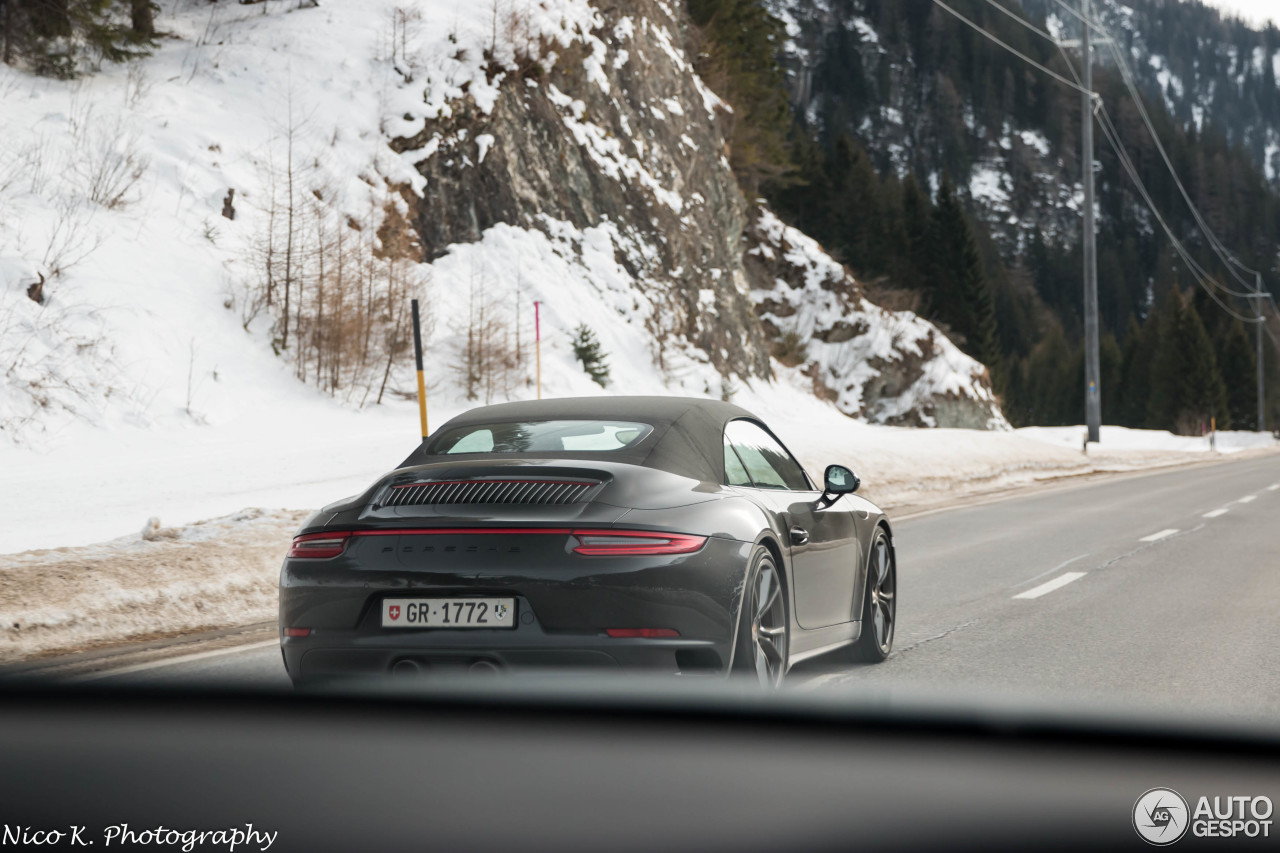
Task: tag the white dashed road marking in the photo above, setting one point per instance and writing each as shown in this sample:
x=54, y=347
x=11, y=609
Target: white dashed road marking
x=1273, y=487
x=1057, y=583
x=1156, y=537
x=1056, y=568
x=1216, y=513
x=1246, y=499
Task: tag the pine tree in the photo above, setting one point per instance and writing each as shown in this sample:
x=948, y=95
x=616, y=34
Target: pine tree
x=739, y=58
x=1128, y=399
x=587, y=349
x=1166, y=365
x=1239, y=373
x=1203, y=395
x=962, y=294
x=51, y=36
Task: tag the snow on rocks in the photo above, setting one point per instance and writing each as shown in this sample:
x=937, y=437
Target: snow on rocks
x=888, y=367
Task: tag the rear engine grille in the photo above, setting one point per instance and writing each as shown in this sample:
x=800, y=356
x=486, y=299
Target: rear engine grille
x=488, y=492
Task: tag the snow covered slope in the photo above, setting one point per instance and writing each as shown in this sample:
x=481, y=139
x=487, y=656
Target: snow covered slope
x=432, y=112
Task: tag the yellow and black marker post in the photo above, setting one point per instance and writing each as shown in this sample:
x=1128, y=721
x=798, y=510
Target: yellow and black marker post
x=417, y=355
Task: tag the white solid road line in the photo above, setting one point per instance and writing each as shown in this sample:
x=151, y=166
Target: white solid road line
x=1273, y=487
x=1156, y=537
x=156, y=664
x=1216, y=513
x=1058, y=582
x=1246, y=499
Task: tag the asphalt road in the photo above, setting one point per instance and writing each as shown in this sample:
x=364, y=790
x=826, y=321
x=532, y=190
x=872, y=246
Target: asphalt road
x=1161, y=589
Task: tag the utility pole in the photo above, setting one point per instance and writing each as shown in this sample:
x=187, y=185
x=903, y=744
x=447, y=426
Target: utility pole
x=1092, y=371
x=1257, y=282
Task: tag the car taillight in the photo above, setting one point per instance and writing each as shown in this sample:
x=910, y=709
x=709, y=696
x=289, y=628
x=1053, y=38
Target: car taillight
x=297, y=632
x=633, y=543
x=646, y=633
x=319, y=546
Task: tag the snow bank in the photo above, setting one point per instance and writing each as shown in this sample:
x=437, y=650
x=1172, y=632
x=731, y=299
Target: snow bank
x=1115, y=438
x=212, y=574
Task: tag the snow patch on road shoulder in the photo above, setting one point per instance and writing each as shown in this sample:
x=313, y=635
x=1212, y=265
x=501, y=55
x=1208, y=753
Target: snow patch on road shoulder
x=213, y=574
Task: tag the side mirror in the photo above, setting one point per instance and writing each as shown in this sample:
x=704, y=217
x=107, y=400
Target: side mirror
x=839, y=480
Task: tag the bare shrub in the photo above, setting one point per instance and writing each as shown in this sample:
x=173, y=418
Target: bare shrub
x=891, y=298
x=137, y=85
x=72, y=237
x=106, y=160
x=791, y=349
x=402, y=39
x=337, y=286
x=488, y=358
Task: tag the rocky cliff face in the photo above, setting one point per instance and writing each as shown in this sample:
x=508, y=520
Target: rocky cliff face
x=614, y=127
x=612, y=130
x=889, y=367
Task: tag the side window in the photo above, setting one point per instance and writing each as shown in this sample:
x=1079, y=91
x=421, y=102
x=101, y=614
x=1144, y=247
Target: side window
x=734, y=473
x=767, y=463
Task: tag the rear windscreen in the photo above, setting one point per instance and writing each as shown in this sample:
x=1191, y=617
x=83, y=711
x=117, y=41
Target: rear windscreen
x=541, y=437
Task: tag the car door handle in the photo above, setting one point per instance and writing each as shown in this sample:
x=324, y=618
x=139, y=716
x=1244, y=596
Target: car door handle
x=799, y=536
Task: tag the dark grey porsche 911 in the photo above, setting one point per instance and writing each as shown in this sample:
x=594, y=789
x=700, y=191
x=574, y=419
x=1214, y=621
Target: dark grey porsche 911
x=672, y=534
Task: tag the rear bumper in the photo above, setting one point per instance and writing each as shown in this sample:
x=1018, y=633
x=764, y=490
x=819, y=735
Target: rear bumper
x=564, y=603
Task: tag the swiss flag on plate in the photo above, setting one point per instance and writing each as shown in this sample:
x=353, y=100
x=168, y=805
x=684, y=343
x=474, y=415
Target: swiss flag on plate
x=394, y=611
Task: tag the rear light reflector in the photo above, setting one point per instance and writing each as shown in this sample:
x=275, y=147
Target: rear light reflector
x=297, y=632
x=319, y=546
x=632, y=543
x=646, y=633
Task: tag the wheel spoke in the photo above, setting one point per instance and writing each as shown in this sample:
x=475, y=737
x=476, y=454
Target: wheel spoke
x=885, y=596
x=880, y=626
x=773, y=599
x=776, y=631
x=770, y=648
x=764, y=592
x=762, y=664
x=882, y=561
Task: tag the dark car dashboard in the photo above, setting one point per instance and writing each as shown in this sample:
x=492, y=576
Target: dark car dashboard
x=538, y=765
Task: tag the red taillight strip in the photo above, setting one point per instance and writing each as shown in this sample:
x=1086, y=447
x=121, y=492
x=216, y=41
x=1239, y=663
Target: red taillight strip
x=592, y=542
x=319, y=546
x=662, y=543
x=447, y=531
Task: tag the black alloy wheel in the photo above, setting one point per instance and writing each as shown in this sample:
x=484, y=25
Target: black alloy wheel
x=880, y=604
x=763, y=633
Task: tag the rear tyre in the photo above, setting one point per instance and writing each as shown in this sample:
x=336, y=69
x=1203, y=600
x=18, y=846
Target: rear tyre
x=763, y=631
x=879, y=604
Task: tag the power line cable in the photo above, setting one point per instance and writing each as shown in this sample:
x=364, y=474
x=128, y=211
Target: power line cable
x=1197, y=272
x=1130, y=81
x=977, y=28
x=1201, y=277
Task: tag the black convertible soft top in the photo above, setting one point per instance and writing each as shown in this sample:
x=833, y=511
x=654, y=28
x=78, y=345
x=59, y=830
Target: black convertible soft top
x=687, y=437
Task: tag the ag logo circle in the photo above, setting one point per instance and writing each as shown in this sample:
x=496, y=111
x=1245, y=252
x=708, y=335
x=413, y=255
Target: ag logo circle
x=1161, y=816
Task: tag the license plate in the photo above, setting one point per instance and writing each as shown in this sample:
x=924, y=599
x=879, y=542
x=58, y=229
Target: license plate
x=449, y=613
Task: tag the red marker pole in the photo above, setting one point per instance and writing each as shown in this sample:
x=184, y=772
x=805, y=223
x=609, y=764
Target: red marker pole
x=537, y=338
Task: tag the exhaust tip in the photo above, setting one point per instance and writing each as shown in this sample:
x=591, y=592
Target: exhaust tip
x=485, y=667
x=406, y=667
